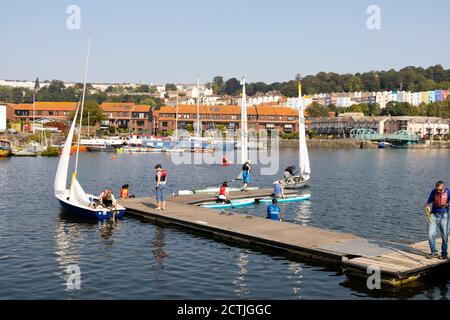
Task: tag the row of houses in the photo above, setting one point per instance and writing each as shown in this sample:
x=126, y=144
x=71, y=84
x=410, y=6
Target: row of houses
x=141, y=118
x=347, y=99
x=344, y=123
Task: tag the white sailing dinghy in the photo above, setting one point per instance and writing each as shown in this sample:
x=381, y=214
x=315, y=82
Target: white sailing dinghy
x=302, y=178
x=74, y=199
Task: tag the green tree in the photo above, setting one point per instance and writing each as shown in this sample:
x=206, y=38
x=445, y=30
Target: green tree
x=316, y=110
x=217, y=85
x=171, y=87
x=232, y=86
x=36, y=85
x=92, y=111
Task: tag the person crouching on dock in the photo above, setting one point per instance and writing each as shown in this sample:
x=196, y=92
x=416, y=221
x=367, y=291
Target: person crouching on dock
x=160, y=178
x=124, y=193
x=224, y=196
x=278, y=189
x=437, y=209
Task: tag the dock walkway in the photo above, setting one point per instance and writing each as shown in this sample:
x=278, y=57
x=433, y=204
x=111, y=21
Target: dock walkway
x=399, y=264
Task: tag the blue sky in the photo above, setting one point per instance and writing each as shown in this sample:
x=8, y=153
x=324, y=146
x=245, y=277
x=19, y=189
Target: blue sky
x=172, y=40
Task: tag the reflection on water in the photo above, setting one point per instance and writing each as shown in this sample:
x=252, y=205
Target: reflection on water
x=241, y=288
x=159, y=254
x=296, y=277
x=303, y=213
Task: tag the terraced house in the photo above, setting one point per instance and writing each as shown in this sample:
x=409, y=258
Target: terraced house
x=127, y=116
x=228, y=117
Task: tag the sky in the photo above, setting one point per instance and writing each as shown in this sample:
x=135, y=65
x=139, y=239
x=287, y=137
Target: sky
x=160, y=41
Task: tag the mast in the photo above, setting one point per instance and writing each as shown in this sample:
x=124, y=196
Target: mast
x=244, y=129
x=300, y=122
x=176, y=119
x=82, y=108
x=198, y=129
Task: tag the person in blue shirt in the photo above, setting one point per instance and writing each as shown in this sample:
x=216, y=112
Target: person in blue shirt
x=437, y=208
x=274, y=211
x=278, y=189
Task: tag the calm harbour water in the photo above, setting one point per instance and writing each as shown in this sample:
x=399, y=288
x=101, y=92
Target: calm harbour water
x=378, y=194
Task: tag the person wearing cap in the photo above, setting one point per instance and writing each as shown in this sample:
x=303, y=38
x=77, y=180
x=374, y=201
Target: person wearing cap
x=437, y=209
x=160, y=177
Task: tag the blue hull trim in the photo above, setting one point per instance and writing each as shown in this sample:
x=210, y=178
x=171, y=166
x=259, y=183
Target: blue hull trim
x=90, y=214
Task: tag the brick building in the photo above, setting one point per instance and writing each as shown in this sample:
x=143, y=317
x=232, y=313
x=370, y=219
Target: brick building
x=119, y=115
x=229, y=117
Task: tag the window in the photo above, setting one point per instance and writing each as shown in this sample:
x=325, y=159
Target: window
x=290, y=118
x=270, y=125
x=140, y=123
x=164, y=124
x=233, y=117
x=22, y=113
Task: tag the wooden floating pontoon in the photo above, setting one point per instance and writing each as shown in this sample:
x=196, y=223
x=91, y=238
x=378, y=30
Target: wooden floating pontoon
x=399, y=264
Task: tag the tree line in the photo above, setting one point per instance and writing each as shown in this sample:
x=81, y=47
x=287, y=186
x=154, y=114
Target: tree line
x=57, y=91
x=409, y=79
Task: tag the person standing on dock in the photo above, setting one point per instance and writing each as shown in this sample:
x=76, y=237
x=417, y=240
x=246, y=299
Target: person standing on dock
x=437, y=209
x=160, y=178
x=274, y=211
x=246, y=168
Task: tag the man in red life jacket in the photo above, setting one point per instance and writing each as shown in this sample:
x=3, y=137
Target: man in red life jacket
x=224, y=196
x=160, y=177
x=437, y=217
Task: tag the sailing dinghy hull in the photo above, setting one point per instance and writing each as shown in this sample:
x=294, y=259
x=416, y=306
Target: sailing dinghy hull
x=86, y=212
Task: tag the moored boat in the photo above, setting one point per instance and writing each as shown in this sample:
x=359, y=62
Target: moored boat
x=5, y=148
x=73, y=199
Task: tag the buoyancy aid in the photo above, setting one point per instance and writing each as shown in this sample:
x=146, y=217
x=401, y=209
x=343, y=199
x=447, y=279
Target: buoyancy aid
x=222, y=190
x=124, y=193
x=163, y=175
x=441, y=199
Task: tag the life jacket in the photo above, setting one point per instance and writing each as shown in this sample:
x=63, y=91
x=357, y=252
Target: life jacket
x=222, y=190
x=163, y=175
x=124, y=193
x=441, y=199
x=273, y=212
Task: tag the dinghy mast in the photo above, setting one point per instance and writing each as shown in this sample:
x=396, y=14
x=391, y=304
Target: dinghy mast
x=244, y=125
x=74, y=174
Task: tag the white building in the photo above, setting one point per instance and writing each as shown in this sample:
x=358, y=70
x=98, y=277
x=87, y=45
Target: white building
x=415, y=99
x=404, y=96
x=343, y=102
x=2, y=117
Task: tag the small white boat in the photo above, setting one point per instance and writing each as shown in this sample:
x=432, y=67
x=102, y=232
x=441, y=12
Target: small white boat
x=302, y=178
x=289, y=198
x=74, y=200
x=233, y=204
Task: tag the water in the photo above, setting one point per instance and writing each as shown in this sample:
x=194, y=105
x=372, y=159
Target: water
x=378, y=194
